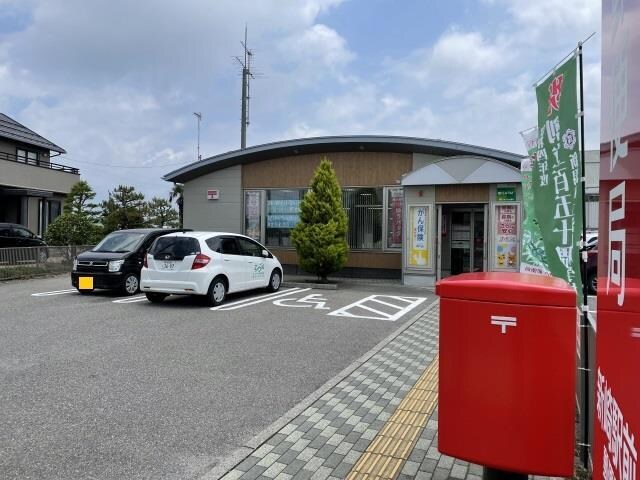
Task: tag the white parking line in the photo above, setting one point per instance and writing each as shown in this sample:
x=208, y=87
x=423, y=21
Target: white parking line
x=137, y=298
x=408, y=304
x=254, y=300
x=53, y=292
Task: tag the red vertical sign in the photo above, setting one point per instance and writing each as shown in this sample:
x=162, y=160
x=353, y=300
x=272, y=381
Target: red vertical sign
x=617, y=400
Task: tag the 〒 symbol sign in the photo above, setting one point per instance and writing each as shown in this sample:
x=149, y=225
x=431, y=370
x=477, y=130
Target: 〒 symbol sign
x=503, y=322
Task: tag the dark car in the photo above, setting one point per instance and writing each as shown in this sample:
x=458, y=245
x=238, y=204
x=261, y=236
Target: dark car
x=14, y=235
x=116, y=261
x=592, y=268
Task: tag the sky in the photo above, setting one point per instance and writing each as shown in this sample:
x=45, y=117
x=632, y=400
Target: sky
x=115, y=82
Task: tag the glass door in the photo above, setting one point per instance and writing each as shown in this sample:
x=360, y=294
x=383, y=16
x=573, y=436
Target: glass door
x=478, y=240
x=467, y=241
x=460, y=241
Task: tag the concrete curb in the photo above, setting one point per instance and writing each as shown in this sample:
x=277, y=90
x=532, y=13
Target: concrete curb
x=318, y=286
x=243, y=452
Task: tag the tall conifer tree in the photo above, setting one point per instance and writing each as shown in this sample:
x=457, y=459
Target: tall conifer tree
x=320, y=236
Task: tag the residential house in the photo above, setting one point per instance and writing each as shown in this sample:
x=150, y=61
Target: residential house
x=32, y=186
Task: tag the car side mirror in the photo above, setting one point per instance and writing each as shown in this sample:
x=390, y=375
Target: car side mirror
x=265, y=254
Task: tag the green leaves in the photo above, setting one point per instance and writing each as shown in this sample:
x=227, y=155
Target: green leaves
x=320, y=236
x=123, y=209
x=73, y=229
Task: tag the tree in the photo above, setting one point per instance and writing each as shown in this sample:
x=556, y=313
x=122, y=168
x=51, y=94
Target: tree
x=160, y=213
x=79, y=200
x=177, y=194
x=320, y=236
x=123, y=209
x=73, y=229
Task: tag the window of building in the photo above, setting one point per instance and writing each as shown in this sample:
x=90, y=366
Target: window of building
x=54, y=210
x=374, y=215
x=364, y=207
x=26, y=156
x=283, y=213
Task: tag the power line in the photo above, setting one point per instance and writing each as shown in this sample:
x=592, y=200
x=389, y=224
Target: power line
x=126, y=166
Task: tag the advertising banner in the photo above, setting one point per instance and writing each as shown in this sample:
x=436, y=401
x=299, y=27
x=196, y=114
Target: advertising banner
x=557, y=192
x=617, y=397
x=396, y=197
x=418, y=245
x=252, y=226
x=532, y=254
x=506, y=255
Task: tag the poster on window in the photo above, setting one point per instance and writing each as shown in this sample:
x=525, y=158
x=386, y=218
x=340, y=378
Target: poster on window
x=418, y=246
x=252, y=227
x=506, y=255
x=396, y=197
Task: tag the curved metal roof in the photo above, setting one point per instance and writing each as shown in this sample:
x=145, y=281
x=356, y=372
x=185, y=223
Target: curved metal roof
x=370, y=143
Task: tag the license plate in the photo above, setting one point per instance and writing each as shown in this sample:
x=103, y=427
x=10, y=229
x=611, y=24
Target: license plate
x=85, y=283
x=165, y=265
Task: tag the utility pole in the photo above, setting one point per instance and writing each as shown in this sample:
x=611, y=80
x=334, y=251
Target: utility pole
x=247, y=74
x=199, y=116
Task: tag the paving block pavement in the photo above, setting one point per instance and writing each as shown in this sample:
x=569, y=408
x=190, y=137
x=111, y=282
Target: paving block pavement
x=380, y=421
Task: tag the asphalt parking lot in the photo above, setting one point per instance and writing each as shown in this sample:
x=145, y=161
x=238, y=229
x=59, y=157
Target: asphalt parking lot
x=104, y=386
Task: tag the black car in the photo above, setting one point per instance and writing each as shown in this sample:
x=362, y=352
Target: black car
x=116, y=261
x=592, y=268
x=14, y=235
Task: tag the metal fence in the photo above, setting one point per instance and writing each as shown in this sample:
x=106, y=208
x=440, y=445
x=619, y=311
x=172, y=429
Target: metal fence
x=27, y=261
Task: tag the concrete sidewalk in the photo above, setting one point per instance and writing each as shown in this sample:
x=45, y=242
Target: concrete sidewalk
x=380, y=421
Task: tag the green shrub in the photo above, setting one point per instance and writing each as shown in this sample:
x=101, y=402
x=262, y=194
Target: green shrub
x=72, y=229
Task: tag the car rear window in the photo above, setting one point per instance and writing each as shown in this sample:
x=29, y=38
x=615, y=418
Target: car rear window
x=175, y=247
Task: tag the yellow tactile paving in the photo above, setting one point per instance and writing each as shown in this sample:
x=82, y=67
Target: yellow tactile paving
x=391, y=447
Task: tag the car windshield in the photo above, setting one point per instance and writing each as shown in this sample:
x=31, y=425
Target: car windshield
x=119, y=242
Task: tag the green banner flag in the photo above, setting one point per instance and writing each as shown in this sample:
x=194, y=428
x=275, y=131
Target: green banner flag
x=556, y=177
x=532, y=258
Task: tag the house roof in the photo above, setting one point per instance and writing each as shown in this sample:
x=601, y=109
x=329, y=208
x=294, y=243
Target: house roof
x=371, y=143
x=13, y=130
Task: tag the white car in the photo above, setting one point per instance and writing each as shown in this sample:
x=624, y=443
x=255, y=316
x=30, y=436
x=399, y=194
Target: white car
x=207, y=263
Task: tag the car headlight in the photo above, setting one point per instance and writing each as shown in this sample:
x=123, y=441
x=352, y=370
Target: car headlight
x=114, y=265
x=75, y=264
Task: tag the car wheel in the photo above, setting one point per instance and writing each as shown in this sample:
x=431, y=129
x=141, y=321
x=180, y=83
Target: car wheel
x=155, y=297
x=592, y=283
x=275, y=281
x=130, y=284
x=217, y=292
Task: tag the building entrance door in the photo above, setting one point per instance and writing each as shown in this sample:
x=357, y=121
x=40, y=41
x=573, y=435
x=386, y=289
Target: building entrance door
x=463, y=243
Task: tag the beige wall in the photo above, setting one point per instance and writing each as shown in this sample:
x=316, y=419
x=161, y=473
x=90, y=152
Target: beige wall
x=356, y=169
x=14, y=174
x=467, y=193
x=223, y=215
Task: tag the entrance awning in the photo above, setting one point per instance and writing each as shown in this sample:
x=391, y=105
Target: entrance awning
x=463, y=169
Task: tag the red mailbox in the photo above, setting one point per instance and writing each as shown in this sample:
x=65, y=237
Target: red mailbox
x=508, y=371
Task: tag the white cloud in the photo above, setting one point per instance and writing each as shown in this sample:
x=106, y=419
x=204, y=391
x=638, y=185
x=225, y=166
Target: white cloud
x=457, y=51
x=318, y=43
x=116, y=82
